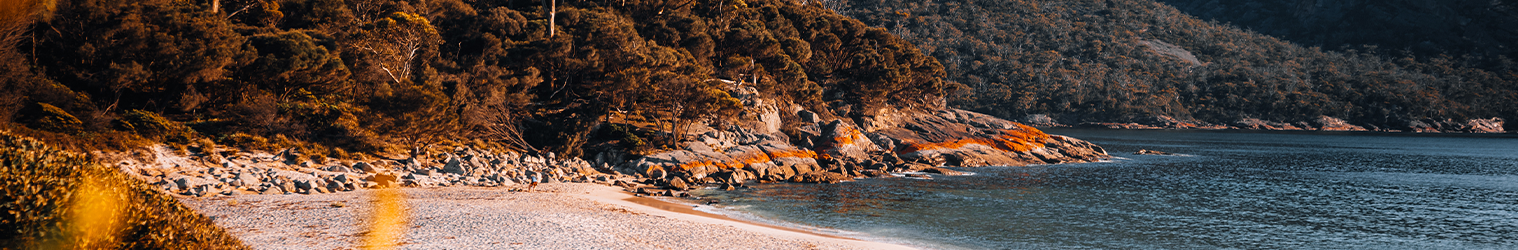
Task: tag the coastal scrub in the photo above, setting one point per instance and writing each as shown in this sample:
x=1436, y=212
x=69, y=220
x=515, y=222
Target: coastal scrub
x=54, y=199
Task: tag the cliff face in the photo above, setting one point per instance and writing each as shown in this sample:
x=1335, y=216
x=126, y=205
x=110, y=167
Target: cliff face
x=1424, y=26
x=833, y=150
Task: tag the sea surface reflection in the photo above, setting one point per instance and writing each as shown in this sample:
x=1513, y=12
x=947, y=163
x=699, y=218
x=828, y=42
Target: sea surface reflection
x=1226, y=190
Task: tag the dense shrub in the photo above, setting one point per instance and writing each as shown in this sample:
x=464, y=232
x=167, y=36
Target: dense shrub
x=54, y=199
x=51, y=118
x=153, y=126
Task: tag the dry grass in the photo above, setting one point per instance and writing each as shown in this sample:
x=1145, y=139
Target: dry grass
x=106, y=140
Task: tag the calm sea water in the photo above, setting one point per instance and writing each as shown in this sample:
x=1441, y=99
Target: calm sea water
x=1250, y=190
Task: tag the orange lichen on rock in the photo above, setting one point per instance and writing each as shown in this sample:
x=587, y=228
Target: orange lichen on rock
x=717, y=164
x=651, y=168
x=1014, y=140
x=743, y=160
x=849, y=136
x=799, y=153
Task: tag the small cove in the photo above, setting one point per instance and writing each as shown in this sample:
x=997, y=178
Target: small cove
x=1227, y=189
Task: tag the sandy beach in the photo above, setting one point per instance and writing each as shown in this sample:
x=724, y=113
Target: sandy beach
x=555, y=216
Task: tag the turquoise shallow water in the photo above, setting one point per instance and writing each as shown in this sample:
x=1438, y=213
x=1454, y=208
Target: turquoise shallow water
x=1249, y=190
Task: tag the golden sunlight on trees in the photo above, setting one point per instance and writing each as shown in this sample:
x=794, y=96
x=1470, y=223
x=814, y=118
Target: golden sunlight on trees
x=399, y=43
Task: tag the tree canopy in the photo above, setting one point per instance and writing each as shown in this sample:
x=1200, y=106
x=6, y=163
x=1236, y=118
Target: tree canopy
x=365, y=74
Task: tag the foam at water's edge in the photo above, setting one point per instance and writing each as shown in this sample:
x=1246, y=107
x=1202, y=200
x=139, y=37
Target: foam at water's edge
x=739, y=213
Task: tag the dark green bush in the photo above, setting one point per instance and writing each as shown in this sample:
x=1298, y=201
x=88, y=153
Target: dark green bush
x=51, y=118
x=153, y=126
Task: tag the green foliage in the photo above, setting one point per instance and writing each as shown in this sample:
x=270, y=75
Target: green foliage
x=153, y=126
x=135, y=53
x=51, y=118
x=328, y=16
x=248, y=141
x=264, y=13
x=367, y=75
x=41, y=184
x=398, y=45
x=627, y=135
x=293, y=60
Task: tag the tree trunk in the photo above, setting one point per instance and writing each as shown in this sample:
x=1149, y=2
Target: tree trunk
x=553, y=11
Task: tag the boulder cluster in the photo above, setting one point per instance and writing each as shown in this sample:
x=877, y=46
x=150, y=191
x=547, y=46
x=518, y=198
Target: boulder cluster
x=211, y=173
x=771, y=142
x=910, y=144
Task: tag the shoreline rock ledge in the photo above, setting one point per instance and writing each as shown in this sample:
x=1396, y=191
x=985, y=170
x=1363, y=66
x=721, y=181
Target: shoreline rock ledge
x=807, y=148
x=771, y=142
x=968, y=139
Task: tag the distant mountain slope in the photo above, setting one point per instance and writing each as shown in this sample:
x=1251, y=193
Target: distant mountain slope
x=1484, y=27
x=1133, y=60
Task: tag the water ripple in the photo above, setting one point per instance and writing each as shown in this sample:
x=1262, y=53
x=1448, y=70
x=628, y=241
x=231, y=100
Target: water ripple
x=1234, y=190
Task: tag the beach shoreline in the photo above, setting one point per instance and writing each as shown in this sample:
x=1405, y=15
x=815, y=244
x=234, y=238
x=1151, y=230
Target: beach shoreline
x=610, y=195
x=558, y=215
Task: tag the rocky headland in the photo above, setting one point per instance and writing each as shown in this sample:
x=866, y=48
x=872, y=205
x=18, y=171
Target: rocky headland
x=902, y=141
x=772, y=143
x=791, y=143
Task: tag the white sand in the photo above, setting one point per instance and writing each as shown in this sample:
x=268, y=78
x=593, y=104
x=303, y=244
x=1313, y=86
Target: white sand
x=556, y=216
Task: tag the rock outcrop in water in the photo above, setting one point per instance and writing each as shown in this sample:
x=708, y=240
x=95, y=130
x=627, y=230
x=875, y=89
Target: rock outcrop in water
x=964, y=138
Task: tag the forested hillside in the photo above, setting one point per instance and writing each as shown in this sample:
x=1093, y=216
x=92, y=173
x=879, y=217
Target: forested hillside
x=1428, y=28
x=369, y=75
x=1134, y=60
